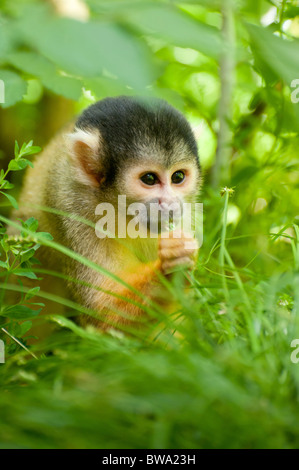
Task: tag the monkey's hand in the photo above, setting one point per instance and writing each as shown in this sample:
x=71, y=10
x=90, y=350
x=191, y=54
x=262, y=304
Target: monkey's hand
x=178, y=250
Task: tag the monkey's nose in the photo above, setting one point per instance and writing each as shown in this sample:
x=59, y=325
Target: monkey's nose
x=163, y=205
x=168, y=205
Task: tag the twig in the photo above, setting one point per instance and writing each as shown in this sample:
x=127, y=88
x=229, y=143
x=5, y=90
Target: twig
x=19, y=343
x=221, y=169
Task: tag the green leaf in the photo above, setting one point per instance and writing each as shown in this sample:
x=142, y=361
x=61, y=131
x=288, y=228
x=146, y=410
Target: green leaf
x=14, y=88
x=102, y=87
x=45, y=235
x=7, y=38
x=27, y=255
x=47, y=72
x=25, y=326
x=66, y=323
x=291, y=11
x=7, y=185
x=88, y=49
x=3, y=264
x=280, y=56
x=17, y=149
x=31, y=224
x=32, y=292
x=11, y=200
x=25, y=273
x=29, y=163
x=19, y=312
x=14, y=165
x=23, y=163
x=20, y=164
x=4, y=244
x=32, y=150
x=34, y=260
x=177, y=28
x=29, y=149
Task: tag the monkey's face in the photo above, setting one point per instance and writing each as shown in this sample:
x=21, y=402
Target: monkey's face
x=161, y=190
x=144, y=151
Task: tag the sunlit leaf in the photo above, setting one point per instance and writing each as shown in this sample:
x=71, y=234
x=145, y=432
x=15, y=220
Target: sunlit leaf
x=48, y=73
x=281, y=56
x=14, y=87
x=87, y=50
x=178, y=28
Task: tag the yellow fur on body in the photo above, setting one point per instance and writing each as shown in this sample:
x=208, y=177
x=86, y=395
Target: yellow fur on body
x=113, y=255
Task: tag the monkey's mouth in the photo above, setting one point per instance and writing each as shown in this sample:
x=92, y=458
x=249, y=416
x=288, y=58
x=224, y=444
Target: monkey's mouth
x=157, y=223
x=149, y=219
x=163, y=222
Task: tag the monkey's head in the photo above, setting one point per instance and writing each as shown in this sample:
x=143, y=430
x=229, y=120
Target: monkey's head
x=145, y=150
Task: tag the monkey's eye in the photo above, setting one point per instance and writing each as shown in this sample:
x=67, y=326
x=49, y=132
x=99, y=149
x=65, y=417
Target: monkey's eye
x=178, y=177
x=149, y=179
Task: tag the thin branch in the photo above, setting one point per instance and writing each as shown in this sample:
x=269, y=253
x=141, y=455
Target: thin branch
x=221, y=169
x=19, y=343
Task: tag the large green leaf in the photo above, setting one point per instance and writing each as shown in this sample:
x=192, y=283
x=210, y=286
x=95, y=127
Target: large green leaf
x=276, y=57
x=40, y=67
x=178, y=28
x=103, y=86
x=19, y=312
x=6, y=39
x=14, y=87
x=88, y=49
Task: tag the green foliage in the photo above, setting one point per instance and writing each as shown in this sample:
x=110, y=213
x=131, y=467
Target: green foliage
x=18, y=255
x=15, y=87
x=225, y=378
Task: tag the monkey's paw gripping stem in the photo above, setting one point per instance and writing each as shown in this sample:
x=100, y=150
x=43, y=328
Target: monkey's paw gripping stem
x=177, y=252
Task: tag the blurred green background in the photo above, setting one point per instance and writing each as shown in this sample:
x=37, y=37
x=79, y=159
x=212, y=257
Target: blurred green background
x=230, y=68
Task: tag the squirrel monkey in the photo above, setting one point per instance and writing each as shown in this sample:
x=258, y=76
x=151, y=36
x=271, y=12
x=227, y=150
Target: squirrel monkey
x=143, y=150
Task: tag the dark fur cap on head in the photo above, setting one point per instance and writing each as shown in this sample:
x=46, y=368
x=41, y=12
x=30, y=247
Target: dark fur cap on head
x=134, y=129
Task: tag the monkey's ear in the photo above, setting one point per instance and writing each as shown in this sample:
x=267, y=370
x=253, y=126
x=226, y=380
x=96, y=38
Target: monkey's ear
x=84, y=150
x=197, y=130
